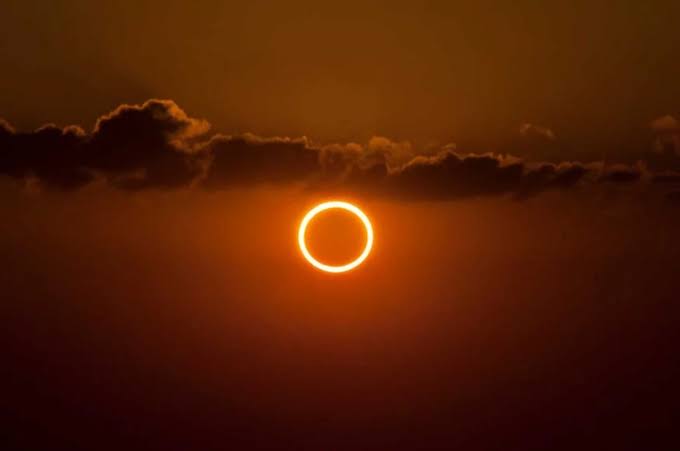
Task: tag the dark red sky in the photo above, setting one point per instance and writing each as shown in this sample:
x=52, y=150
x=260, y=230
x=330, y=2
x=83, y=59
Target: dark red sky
x=186, y=319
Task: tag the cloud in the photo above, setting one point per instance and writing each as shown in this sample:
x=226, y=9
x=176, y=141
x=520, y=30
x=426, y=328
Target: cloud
x=449, y=175
x=621, y=174
x=146, y=145
x=666, y=136
x=665, y=123
x=55, y=156
x=532, y=130
x=134, y=146
x=5, y=128
x=666, y=177
x=535, y=142
x=550, y=176
x=249, y=159
x=383, y=150
x=157, y=145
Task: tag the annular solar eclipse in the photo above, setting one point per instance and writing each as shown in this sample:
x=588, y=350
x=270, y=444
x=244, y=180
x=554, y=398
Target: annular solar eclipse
x=328, y=206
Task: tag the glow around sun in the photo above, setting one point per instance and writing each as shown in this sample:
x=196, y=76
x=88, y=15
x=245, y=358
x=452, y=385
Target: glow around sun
x=342, y=206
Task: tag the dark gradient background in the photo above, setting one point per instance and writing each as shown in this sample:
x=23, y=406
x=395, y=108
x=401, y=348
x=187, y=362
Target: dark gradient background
x=520, y=162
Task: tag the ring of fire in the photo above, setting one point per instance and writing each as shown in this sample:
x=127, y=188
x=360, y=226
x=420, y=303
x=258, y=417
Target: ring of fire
x=343, y=206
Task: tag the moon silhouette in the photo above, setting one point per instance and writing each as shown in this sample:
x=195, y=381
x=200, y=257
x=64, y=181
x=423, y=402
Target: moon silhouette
x=342, y=206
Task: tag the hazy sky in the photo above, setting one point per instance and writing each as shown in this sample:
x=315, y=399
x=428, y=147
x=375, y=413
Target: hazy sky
x=595, y=72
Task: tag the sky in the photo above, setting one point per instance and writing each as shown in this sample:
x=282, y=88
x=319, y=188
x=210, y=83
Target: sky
x=597, y=73
x=519, y=162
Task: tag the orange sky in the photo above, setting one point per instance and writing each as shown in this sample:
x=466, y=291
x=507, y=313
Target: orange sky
x=519, y=161
x=595, y=72
x=196, y=308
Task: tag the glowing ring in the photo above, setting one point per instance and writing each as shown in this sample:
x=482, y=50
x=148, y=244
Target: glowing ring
x=343, y=206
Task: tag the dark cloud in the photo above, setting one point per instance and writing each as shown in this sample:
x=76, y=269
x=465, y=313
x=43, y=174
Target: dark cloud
x=549, y=176
x=249, y=159
x=157, y=145
x=666, y=177
x=621, y=174
x=535, y=142
x=448, y=175
x=666, y=129
x=5, y=128
x=152, y=140
x=133, y=146
x=665, y=153
x=55, y=156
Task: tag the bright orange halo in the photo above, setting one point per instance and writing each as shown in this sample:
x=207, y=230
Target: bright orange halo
x=343, y=206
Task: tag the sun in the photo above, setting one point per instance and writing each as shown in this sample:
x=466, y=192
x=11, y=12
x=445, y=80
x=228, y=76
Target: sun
x=335, y=204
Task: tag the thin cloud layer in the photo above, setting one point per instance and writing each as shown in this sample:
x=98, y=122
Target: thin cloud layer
x=157, y=145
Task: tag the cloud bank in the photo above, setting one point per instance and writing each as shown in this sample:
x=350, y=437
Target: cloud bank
x=156, y=145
